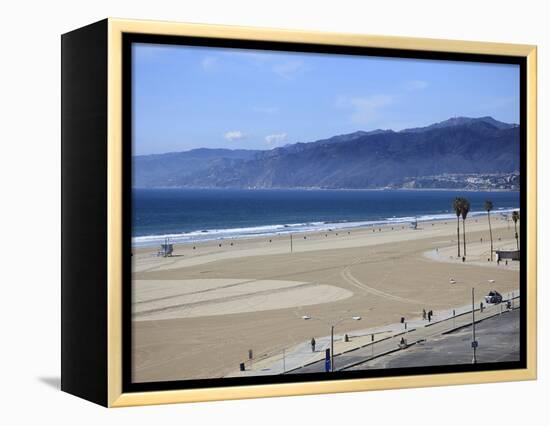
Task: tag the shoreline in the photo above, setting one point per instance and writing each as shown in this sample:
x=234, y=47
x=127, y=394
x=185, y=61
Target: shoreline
x=275, y=230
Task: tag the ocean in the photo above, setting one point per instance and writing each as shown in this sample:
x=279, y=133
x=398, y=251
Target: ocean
x=193, y=215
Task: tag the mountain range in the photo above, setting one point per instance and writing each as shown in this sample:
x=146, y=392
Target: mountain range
x=359, y=160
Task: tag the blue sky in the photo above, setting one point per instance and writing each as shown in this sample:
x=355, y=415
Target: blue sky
x=191, y=97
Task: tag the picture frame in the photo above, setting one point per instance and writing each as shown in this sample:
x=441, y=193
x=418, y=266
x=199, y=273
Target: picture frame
x=97, y=87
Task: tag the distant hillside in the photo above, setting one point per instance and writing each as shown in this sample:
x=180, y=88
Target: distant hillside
x=381, y=158
x=463, y=121
x=176, y=168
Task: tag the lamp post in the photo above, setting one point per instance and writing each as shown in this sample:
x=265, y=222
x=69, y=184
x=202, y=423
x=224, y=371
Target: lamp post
x=454, y=319
x=474, y=342
x=331, y=348
x=332, y=326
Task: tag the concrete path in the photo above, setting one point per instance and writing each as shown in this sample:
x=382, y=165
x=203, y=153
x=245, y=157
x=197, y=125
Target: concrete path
x=428, y=332
x=369, y=343
x=498, y=337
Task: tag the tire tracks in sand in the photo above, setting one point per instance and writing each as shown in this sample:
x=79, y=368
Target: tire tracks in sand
x=346, y=274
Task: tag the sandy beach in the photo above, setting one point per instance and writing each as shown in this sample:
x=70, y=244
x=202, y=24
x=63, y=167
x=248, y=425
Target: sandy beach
x=197, y=314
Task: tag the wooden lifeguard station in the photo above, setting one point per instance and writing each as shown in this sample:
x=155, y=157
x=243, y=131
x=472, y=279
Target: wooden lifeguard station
x=166, y=249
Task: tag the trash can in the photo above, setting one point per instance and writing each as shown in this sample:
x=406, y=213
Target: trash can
x=241, y=366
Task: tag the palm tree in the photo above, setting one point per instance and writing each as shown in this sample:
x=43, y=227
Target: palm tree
x=464, y=212
x=488, y=208
x=515, y=218
x=457, y=207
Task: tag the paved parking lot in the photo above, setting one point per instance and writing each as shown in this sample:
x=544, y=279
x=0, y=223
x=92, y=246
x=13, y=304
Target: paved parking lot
x=498, y=338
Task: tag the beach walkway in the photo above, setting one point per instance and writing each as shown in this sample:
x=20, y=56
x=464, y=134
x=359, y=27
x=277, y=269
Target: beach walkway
x=365, y=345
x=498, y=337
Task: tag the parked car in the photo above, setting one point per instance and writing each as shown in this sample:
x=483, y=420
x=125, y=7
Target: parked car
x=493, y=297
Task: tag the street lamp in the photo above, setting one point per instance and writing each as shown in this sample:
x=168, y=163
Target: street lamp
x=332, y=325
x=474, y=341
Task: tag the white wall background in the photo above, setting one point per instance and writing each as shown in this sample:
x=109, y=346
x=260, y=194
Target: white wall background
x=30, y=200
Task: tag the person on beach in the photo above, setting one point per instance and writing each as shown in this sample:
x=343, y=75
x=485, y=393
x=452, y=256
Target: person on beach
x=313, y=344
x=423, y=314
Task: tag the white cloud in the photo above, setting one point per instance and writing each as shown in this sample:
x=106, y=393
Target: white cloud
x=242, y=53
x=282, y=64
x=365, y=110
x=275, y=139
x=234, y=135
x=416, y=85
x=208, y=63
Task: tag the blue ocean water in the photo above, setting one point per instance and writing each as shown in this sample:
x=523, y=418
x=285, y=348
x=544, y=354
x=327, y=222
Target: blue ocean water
x=190, y=215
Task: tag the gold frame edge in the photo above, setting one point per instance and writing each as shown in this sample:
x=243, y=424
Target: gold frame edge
x=116, y=27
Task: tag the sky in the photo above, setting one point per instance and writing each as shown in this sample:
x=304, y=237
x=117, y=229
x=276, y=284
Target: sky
x=195, y=97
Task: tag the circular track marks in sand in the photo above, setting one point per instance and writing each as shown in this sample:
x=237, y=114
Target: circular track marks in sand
x=348, y=276
x=169, y=299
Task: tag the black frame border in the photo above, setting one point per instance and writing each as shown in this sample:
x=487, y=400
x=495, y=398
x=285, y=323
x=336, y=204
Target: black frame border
x=129, y=38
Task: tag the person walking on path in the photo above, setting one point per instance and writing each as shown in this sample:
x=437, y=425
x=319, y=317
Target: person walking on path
x=423, y=314
x=313, y=344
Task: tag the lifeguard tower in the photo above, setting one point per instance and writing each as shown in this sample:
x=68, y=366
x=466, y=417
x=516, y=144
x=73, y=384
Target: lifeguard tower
x=166, y=249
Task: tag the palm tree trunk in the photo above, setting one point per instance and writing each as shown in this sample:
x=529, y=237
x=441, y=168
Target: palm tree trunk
x=458, y=235
x=464, y=235
x=490, y=234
